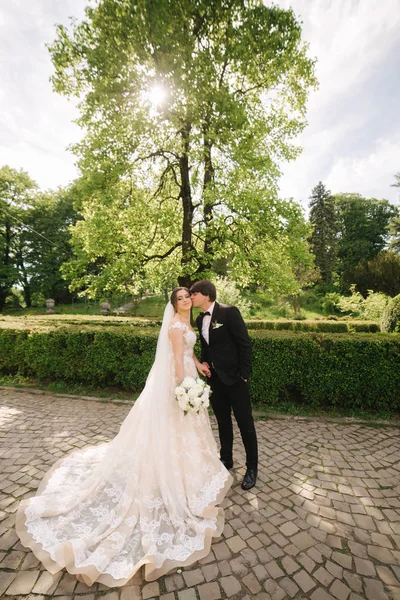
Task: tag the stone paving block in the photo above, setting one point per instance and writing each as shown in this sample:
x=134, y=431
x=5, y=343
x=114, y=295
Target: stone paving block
x=387, y=576
x=187, y=595
x=374, y=590
x=192, y=578
x=209, y=591
x=339, y=590
x=304, y=581
x=236, y=544
x=170, y=596
x=252, y=583
x=289, y=586
x=110, y=596
x=6, y=580
x=353, y=581
x=174, y=582
x=323, y=576
x=222, y=551
x=273, y=590
x=66, y=585
x=364, y=567
x=225, y=567
x=150, y=590
x=230, y=585
x=23, y=583
x=303, y=540
x=210, y=572
x=274, y=570
x=47, y=583
x=260, y=572
x=342, y=559
x=132, y=592
x=290, y=565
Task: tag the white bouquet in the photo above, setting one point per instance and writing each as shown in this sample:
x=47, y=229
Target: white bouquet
x=192, y=395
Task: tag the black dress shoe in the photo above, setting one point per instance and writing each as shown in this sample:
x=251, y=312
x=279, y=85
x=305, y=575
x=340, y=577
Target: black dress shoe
x=249, y=479
x=228, y=464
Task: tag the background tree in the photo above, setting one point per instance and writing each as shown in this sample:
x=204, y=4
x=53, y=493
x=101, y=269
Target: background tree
x=43, y=245
x=323, y=239
x=201, y=166
x=381, y=274
x=363, y=232
x=16, y=193
x=394, y=227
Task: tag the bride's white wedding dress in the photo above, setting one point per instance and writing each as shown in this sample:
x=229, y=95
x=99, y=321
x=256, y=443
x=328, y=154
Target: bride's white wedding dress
x=148, y=498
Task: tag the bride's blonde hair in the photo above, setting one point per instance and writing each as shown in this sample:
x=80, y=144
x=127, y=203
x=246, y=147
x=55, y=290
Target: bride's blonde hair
x=174, y=296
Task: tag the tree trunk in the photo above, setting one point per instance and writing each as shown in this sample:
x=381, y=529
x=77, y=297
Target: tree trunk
x=26, y=286
x=5, y=288
x=187, y=204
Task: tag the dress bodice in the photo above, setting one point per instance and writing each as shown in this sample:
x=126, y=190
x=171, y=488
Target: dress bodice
x=189, y=340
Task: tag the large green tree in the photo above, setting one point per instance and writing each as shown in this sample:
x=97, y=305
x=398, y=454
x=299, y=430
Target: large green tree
x=17, y=190
x=173, y=186
x=43, y=245
x=363, y=232
x=323, y=240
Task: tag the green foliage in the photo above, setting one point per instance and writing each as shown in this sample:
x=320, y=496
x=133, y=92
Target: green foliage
x=170, y=189
x=391, y=316
x=314, y=326
x=45, y=245
x=381, y=274
x=16, y=191
x=363, y=227
x=371, y=307
x=347, y=371
x=229, y=293
x=323, y=239
x=342, y=370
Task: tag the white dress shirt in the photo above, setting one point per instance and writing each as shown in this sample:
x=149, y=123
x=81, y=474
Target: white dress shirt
x=206, y=323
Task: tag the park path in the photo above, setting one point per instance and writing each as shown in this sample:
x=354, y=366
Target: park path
x=323, y=522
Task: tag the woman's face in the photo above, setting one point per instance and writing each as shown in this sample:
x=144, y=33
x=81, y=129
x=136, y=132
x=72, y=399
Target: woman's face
x=183, y=300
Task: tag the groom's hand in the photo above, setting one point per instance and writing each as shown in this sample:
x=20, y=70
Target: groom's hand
x=204, y=369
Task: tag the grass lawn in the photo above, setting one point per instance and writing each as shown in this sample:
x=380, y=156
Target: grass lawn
x=153, y=307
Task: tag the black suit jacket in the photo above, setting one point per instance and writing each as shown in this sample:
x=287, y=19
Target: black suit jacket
x=229, y=350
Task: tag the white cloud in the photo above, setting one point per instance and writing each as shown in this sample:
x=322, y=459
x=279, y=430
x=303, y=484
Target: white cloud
x=371, y=174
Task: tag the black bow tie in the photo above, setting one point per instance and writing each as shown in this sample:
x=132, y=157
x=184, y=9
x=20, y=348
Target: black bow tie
x=205, y=313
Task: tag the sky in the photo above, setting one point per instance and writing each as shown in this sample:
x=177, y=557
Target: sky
x=351, y=142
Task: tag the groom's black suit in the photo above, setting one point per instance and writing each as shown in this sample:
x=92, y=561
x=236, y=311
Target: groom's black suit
x=229, y=355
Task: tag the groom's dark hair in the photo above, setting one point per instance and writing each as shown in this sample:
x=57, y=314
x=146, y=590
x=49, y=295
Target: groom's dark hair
x=206, y=288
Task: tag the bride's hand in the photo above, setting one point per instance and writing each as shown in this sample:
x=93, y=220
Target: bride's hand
x=204, y=369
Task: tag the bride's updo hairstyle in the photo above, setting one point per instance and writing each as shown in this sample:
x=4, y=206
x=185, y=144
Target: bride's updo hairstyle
x=174, y=296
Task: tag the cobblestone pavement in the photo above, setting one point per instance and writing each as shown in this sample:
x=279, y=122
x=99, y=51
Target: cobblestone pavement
x=322, y=523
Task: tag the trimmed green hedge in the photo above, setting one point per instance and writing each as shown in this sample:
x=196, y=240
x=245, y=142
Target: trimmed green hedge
x=325, y=326
x=341, y=370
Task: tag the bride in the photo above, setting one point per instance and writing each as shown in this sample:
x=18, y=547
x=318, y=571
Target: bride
x=149, y=497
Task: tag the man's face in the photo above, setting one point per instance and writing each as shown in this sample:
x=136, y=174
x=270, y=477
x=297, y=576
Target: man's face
x=199, y=299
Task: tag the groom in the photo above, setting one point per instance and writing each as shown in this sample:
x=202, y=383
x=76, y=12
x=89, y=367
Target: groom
x=226, y=358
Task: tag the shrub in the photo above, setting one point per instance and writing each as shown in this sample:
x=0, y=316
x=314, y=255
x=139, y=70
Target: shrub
x=371, y=307
x=357, y=370
x=228, y=293
x=391, y=316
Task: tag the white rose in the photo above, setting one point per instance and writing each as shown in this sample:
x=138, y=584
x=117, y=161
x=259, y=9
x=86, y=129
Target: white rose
x=179, y=390
x=183, y=401
x=205, y=401
x=192, y=393
x=188, y=382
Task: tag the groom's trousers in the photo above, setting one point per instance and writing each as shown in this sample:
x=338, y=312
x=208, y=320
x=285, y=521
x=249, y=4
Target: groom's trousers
x=225, y=399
